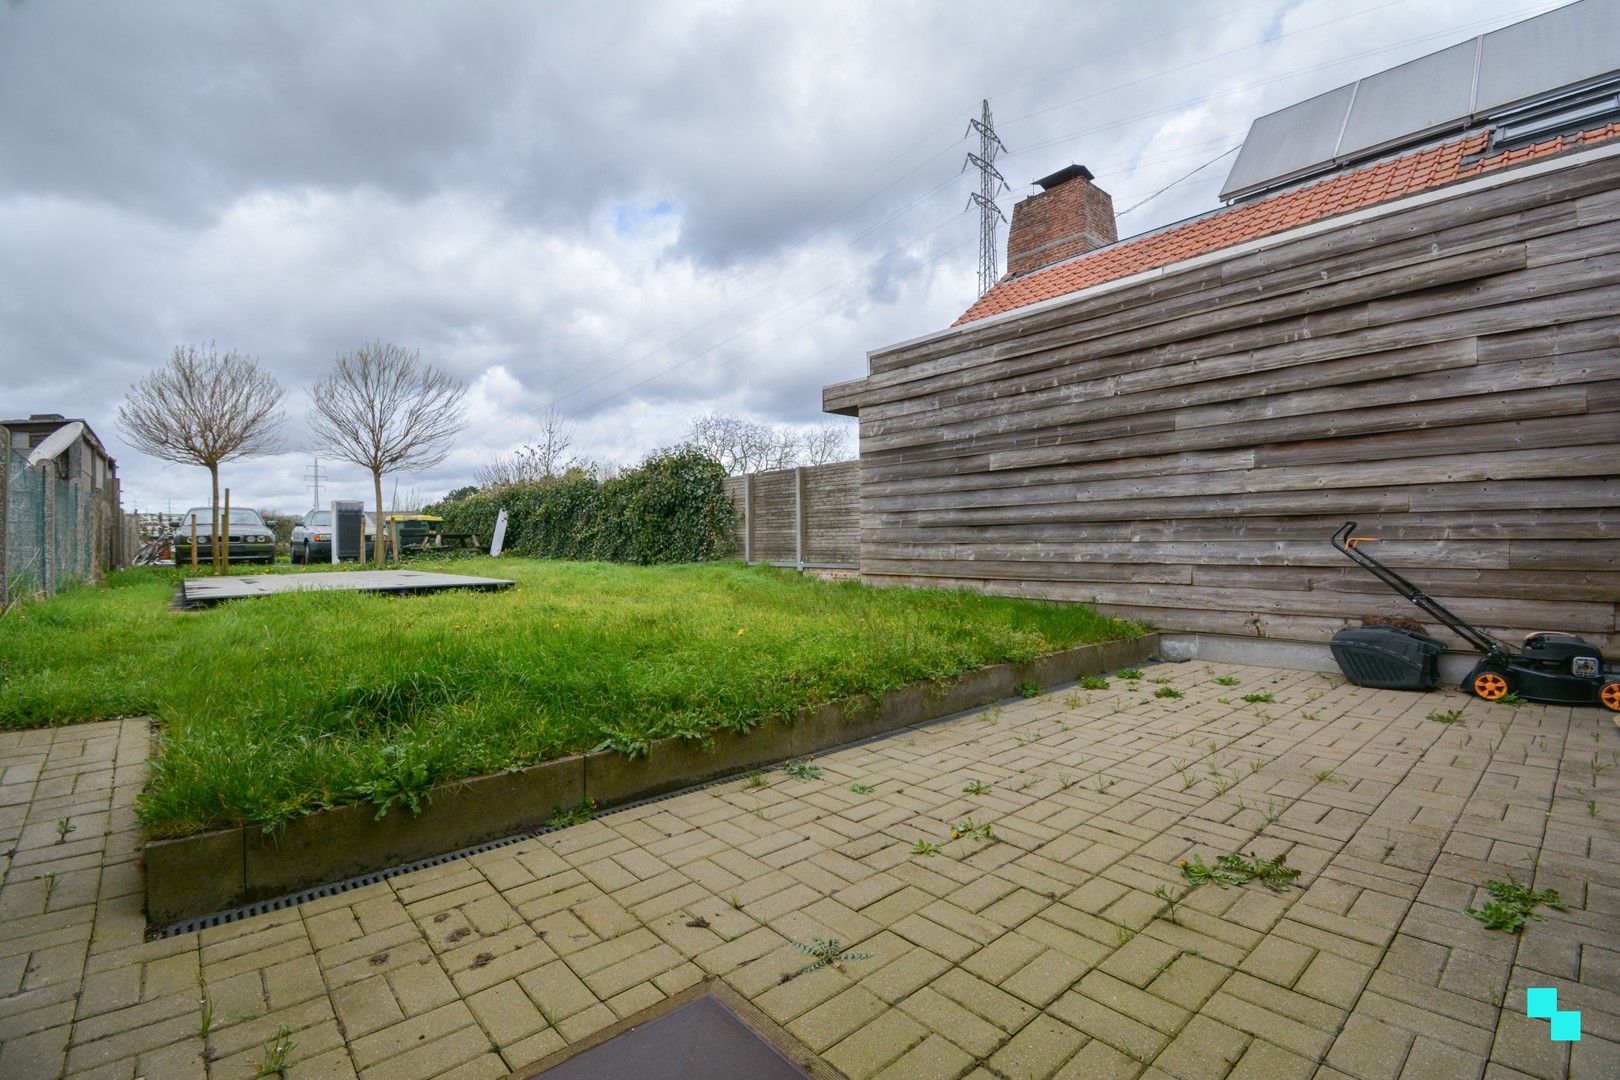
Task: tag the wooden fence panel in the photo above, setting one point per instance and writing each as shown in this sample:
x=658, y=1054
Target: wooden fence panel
x=807, y=517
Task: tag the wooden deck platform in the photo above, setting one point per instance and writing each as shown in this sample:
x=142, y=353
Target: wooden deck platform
x=204, y=592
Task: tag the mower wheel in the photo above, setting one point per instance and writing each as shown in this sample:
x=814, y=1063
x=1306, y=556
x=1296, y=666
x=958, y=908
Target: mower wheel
x=1610, y=696
x=1490, y=685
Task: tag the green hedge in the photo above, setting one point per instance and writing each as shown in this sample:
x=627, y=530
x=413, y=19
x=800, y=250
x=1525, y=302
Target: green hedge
x=672, y=508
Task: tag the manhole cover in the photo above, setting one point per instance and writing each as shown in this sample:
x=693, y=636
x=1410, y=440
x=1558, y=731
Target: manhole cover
x=702, y=1039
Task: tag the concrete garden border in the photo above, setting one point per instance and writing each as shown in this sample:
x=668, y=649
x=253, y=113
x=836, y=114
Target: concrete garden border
x=214, y=871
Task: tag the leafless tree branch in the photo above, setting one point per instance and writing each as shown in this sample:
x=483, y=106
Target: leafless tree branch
x=382, y=408
x=203, y=408
x=540, y=460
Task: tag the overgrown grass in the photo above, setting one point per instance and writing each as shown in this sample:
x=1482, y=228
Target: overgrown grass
x=275, y=706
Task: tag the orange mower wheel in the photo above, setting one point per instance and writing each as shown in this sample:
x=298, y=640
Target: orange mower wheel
x=1610, y=696
x=1490, y=686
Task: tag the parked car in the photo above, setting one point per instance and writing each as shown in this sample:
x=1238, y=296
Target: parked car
x=247, y=538
x=312, y=537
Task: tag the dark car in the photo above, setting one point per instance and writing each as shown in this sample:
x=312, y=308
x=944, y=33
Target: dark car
x=247, y=538
x=312, y=537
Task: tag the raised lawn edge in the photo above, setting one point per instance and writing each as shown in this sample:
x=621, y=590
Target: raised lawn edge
x=205, y=873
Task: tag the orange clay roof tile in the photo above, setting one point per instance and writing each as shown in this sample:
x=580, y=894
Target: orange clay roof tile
x=1345, y=192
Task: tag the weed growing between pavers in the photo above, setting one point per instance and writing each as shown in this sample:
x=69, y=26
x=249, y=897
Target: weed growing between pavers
x=1235, y=869
x=1513, y=905
x=1128, y=673
x=802, y=770
x=275, y=706
x=968, y=829
x=828, y=952
x=1028, y=688
x=563, y=816
x=276, y=1052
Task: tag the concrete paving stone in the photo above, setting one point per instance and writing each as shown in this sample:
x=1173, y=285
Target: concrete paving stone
x=1429, y=1059
x=1038, y=1050
x=930, y=935
x=182, y=1060
x=1140, y=1005
x=836, y=1018
x=1370, y=1048
x=420, y=987
x=800, y=993
x=884, y=1040
x=1203, y=1050
x=585, y=1023
x=935, y=1058
x=1333, y=980
x=1263, y=1022
x=379, y=1046
x=1189, y=981
x=506, y=1013
x=1421, y=1021
x=1522, y=1044
x=1136, y=1040
x=557, y=991
x=1098, y=1060
x=527, y=1052
x=367, y=1006
x=41, y=1053
x=84, y=1053
x=1266, y=1061
x=911, y=969
x=1140, y=959
x=962, y=1026
x=641, y=968
x=462, y=1055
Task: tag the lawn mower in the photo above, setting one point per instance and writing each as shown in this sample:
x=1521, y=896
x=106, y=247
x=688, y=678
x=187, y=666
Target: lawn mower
x=1558, y=669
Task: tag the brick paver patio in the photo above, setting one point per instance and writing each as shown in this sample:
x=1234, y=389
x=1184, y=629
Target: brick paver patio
x=1041, y=953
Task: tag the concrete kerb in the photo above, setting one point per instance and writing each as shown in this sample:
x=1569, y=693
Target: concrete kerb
x=211, y=872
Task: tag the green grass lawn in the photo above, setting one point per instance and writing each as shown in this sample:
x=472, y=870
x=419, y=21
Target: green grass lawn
x=276, y=706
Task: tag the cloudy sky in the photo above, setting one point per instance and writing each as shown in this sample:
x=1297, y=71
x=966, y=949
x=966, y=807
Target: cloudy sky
x=638, y=212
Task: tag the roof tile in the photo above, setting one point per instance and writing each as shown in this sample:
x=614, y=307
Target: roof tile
x=1368, y=186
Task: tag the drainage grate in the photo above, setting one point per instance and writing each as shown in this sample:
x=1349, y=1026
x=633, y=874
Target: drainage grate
x=280, y=903
x=700, y=1040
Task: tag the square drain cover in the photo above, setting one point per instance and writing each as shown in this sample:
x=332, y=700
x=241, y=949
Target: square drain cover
x=701, y=1039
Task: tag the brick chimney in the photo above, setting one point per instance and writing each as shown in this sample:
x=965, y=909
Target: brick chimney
x=1070, y=215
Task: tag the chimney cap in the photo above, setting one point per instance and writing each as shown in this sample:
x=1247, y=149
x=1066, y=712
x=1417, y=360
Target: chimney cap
x=1063, y=176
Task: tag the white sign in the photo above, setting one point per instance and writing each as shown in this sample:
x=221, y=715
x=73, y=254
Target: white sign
x=500, y=534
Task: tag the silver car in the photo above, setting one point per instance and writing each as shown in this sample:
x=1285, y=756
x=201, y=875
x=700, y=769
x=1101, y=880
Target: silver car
x=312, y=537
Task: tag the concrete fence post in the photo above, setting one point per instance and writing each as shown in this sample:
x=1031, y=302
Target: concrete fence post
x=48, y=501
x=799, y=521
x=748, y=518
x=5, y=518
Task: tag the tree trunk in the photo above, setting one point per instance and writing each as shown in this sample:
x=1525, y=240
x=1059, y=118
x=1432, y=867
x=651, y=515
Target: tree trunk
x=376, y=479
x=213, y=532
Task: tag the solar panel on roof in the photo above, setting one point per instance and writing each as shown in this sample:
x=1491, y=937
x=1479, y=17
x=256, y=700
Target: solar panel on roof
x=1445, y=91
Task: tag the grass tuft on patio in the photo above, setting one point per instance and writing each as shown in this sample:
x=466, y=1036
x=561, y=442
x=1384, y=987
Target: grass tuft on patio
x=276, y=706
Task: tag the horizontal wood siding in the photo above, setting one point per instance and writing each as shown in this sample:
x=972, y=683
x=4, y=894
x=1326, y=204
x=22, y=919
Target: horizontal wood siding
x=1179, y=450
x=823, y=500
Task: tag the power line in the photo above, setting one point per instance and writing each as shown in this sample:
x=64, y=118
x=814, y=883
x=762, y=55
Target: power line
x=1173, y=183
x=1041, y=145
x=1223, y=15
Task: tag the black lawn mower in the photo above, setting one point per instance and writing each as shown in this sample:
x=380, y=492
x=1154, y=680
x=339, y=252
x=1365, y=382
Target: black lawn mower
x=1558, y=669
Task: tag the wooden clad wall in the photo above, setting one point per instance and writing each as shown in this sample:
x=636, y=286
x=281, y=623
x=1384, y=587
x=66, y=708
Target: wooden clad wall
x=1178, y=450
x=821, y=500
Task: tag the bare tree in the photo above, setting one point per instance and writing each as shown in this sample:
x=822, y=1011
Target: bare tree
x=203, y=408
x=539, y=460
x=742, y=445
x=827, y=443
x=383, y=409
